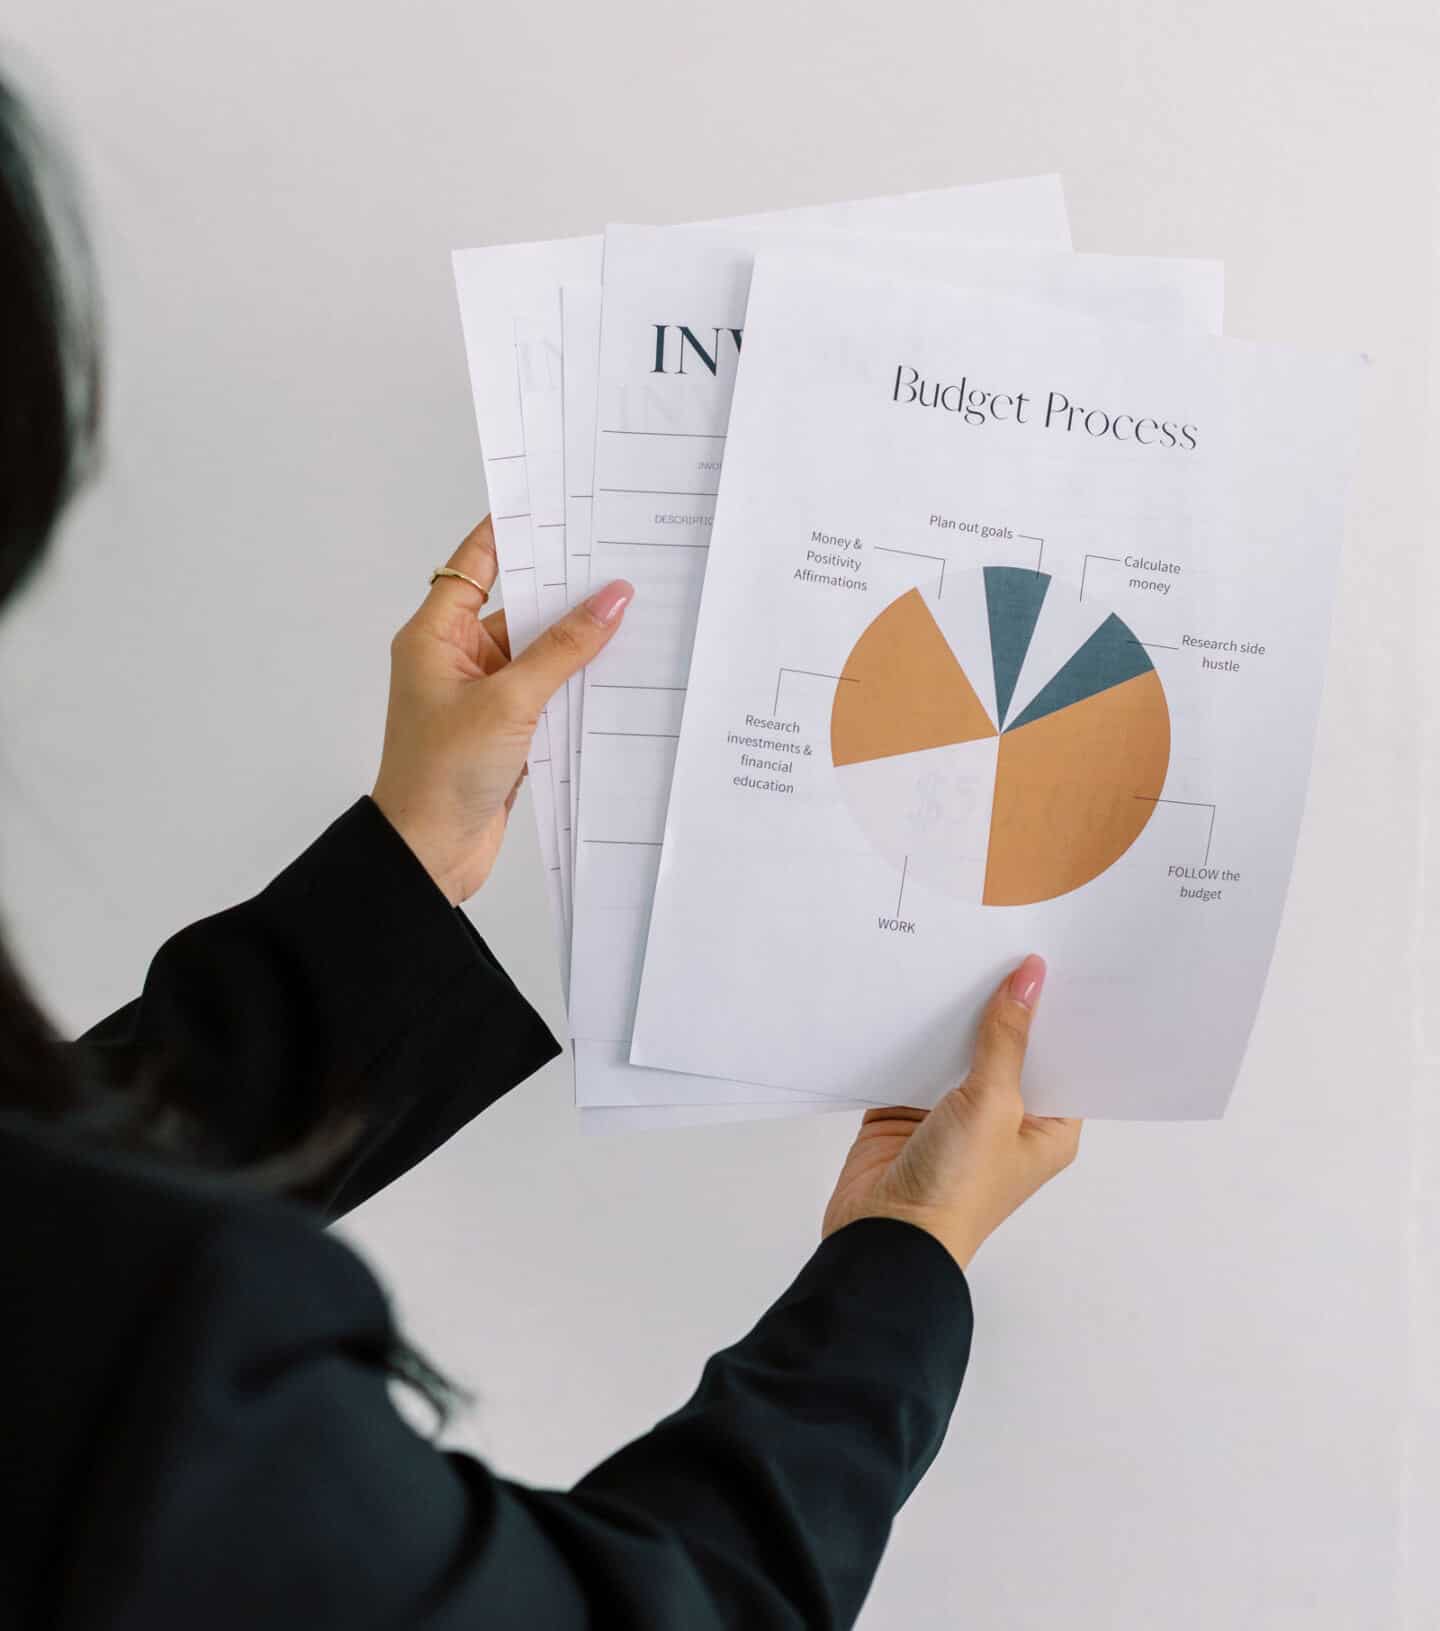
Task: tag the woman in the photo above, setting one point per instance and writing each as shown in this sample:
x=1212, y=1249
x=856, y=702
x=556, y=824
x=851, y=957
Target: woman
x=198, y=1426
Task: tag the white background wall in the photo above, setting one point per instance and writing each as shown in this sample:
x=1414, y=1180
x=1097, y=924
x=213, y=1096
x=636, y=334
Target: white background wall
x=1190, y=1404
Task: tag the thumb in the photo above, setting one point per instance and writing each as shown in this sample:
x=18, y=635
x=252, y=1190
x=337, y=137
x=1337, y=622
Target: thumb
x=1005, y=1031
x=568, y=644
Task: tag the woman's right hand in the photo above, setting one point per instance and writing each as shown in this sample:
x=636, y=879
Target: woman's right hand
x=959, y=1170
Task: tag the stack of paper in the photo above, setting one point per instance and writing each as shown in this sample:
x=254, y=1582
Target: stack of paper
x=1015, y=595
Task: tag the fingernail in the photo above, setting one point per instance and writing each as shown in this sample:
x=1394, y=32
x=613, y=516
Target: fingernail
x=606, y=604
x=1028, y=981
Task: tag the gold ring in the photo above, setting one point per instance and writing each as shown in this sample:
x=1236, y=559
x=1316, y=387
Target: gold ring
x=450, y=572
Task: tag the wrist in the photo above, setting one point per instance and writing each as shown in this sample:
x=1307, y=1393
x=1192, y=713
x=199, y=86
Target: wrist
x=420, y=837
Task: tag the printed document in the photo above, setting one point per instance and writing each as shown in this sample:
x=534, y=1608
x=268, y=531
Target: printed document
x=1013, y=634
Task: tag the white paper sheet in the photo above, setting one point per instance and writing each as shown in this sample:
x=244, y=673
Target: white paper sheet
x=538, y=368
x=1134, y=818
x=645, y=1118
x=580, y=326
x=580, y=332
x=494, y=288
x=659, y=451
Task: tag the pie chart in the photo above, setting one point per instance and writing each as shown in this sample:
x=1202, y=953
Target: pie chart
x=1005, y=742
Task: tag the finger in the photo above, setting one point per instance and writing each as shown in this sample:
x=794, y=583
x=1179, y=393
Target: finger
x=489, y=652
x=1005, y=1029
x=499, y=631
x=476, y=559
x=566, y=646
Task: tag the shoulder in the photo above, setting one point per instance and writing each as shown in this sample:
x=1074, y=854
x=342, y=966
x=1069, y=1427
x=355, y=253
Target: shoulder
x=167, y=1338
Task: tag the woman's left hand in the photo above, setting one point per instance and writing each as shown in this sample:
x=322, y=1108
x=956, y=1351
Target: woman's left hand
x=462, y=714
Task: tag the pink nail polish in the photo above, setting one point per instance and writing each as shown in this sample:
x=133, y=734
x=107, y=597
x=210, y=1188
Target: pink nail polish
x=606, y=604
x=1028, y=981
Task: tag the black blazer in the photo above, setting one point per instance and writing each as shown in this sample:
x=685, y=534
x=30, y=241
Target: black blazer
x=195, y=1424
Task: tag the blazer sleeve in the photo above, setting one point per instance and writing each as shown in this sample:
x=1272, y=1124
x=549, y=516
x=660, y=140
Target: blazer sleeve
x=348, y=993
x=292, y=1493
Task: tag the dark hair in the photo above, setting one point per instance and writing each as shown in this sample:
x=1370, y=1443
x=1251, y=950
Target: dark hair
x=49, y=346
x=49, y=417
x=49, y=427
